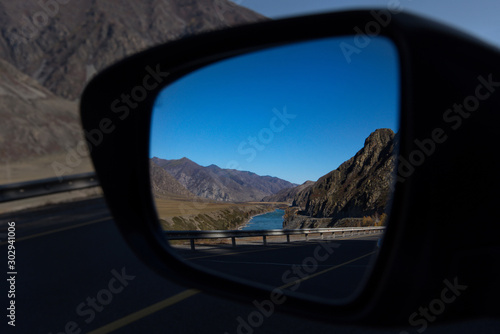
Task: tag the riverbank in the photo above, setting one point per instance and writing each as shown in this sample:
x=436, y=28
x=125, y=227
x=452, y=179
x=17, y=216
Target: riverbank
x=294, y=220
x=266, y=221
x=185, y=215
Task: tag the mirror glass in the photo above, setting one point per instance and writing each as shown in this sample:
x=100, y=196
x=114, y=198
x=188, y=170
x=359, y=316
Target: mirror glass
x=276, y=166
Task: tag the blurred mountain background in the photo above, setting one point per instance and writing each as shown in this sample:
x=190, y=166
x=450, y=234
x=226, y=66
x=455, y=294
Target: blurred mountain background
x=50, y=49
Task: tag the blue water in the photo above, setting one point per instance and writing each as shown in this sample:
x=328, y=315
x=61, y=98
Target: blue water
x=267, y=221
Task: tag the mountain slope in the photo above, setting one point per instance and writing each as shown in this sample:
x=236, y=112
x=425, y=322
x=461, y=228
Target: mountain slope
x=83, y=36
x=221, y=184
x=288, y=194
x=265, y=184
x=35, y=122
x=359, y=187
x=50, y=49
x=164, y=184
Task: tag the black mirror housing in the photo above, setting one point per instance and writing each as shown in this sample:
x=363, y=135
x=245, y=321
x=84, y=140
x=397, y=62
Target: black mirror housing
x=447, y=176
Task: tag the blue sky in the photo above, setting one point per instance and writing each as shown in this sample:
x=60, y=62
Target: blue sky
x=216, y=117
x=479, y=17
x=295, y=112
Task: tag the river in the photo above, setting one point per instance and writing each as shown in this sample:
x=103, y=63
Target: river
x=268, y=221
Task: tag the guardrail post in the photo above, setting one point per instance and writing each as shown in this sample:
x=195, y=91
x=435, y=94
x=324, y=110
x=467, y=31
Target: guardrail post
x=192, y=236
x=22, y=190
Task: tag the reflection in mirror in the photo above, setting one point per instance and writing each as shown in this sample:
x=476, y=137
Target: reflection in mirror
x=276, y=166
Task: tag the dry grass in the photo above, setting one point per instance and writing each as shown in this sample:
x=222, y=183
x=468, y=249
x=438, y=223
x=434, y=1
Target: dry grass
x=179, y=206
x=40, y=201
x=39, y=168
x=177, y=213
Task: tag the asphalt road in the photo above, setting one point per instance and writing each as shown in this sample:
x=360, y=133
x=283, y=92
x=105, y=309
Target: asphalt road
x=75, y=274
x=324, y=268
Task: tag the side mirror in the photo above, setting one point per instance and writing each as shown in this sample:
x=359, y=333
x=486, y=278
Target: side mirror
x=424, y=98
x=294, y=112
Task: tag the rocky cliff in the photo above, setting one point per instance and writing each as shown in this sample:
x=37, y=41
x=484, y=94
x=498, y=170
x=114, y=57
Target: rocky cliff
x=359, y=187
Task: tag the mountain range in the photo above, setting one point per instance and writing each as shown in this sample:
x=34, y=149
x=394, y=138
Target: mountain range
x=45, y=64
x=219, y=184
x=357, y=192
x=49, y=50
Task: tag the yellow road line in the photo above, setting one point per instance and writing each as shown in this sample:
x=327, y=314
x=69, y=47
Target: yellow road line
x=325, y=271
x=57, y=230
x=184, y=295
x=145, y=312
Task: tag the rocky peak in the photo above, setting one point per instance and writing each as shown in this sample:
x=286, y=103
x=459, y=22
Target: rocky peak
x=359, y=187
x=378, y=138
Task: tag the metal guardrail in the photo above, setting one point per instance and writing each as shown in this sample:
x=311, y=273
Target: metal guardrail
x=23, y=190
x=233, y=234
